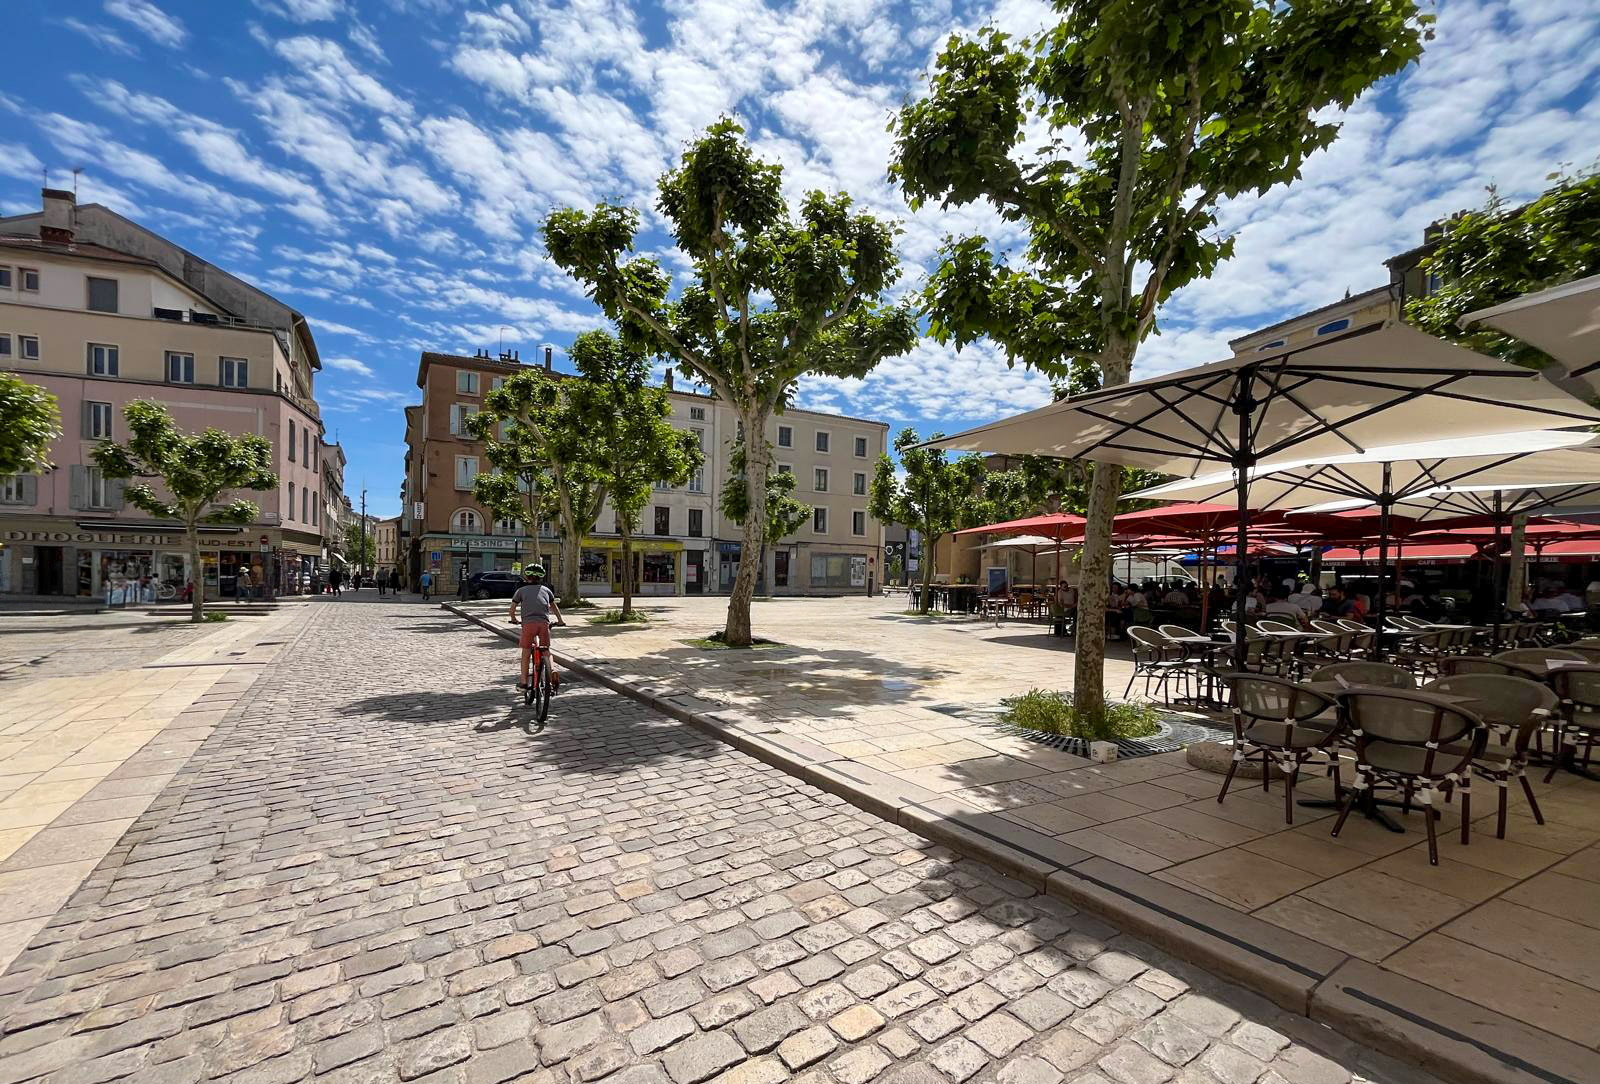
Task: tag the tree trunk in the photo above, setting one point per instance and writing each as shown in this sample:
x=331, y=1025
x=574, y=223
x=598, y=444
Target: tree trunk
x=197, y=600
x=757, y=461
x=1094, y=583
x=1516, y=570
x=927, y=573
x=627, y=569
x=571, y=558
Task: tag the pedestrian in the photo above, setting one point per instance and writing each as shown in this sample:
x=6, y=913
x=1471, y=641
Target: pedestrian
x=383, y=581
x=426, y=583
x=335, y=578
x=241, y=585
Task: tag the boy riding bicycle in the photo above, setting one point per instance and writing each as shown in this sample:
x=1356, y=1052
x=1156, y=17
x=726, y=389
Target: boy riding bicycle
x=537, y=602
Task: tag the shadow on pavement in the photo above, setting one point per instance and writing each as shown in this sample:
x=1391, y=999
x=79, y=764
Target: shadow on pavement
x=830, y=681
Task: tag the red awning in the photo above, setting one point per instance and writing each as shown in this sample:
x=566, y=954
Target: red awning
x=1055, y=525
x=1462, y=551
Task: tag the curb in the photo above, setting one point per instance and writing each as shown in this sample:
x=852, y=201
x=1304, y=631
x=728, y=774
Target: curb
x=1395, y=1015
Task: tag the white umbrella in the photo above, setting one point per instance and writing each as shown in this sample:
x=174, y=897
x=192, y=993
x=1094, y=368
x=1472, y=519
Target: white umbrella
x=1563, y=321
x=1377, y=386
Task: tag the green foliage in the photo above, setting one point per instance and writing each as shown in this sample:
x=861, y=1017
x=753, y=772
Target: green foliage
x=629, y=440
x=773, y=294
x=196, y=471
x=359, y=552
x=215, y=615
x=712, y=643
x=1051, y=712
x=786, y=514
x=29, y=420
x=618, y=617
x=1498, y=253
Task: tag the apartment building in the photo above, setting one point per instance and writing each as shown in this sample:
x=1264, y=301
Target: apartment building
x=387, y=535
x=333, y=502
x=100, y=312
x=1380, y=305
x=683, y=544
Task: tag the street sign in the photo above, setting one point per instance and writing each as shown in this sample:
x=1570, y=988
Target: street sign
x=266, y=547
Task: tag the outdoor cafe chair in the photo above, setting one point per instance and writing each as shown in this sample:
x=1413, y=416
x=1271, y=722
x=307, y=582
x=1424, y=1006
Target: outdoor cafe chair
x=1283, y=724
x=1360, y=672
x=1423, y=653
x=1515, y=709
x=1483, y=664
x=1366, y=636
x=1537, y=656
x=1578, y=688
x=1340, y=642
x=1588, y=647
x=1157, y=659
x=1414, y=742
x=1174, y=630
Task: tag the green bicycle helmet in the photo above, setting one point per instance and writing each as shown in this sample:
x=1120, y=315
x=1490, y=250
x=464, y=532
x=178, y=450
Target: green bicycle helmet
x=533, y=572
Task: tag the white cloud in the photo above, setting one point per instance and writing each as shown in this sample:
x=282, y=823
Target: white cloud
x=348, y=365
x=149, y=19
x=103, y=36
x=303, y=11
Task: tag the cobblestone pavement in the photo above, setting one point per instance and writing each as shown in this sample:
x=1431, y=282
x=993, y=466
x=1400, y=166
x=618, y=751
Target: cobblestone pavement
x=370, y=873
x=76, y=645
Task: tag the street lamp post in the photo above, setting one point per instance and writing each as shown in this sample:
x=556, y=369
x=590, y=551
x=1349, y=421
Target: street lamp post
x=361, y=564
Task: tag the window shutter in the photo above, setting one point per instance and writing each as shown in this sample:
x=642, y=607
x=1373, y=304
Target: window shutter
x=30, y=489
x=114, y=488
x=86, y=413
x=78, y=486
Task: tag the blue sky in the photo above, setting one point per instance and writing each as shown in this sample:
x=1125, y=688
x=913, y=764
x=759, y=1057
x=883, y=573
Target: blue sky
x=383, y=165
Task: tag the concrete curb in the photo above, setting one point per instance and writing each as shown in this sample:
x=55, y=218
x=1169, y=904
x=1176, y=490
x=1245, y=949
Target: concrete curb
x=1461, y=1042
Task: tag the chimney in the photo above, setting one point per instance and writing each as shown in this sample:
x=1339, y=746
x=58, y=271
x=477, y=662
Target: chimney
x=547, y=359
x=666, y=380
x=60, y=211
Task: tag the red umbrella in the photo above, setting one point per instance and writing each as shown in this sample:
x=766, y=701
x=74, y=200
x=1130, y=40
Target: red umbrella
x=1057, y=525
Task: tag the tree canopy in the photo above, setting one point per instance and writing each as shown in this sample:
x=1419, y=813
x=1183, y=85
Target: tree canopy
x=630, y=442
x=1110, y=139
x=30, y=420
x=197, y=473
x=773, y=293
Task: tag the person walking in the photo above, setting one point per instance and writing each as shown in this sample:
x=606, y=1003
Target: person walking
x=335, y=578
x=241, y=585
x=383, y=581
x=426, y=584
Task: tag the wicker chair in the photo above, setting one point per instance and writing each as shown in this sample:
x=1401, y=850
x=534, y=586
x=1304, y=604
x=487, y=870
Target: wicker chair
x=1366, y=635
x=1282, y=723
x=1423, y=653
x=1367, y=673
x=1414, y=742
x=1578, y=688
x=1515, y=709
x=1537, y=655
x=1480, y=664
x=1341, y=642
x=1157, y=659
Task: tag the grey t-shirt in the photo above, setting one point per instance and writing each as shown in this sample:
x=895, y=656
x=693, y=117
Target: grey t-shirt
x=534, y=601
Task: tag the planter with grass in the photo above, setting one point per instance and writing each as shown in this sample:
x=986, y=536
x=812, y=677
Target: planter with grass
x=617, y=617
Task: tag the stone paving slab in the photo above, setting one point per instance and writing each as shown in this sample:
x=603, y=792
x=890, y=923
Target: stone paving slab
x=370, y=872
x=1198, y=908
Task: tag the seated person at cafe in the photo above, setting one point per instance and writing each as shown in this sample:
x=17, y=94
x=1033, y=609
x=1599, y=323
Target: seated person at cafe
x=1280, y=608
x=1549, y=602
x=1307, y=599
x=1335, y=604
x=1571, y=600
x=1176, y=597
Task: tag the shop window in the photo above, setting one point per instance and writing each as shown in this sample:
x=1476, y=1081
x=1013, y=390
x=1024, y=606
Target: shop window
x=466, y=382
x=822, y=440
x=180, y=368
x=663, y=520
x=861, y=447
x=697, y=523
x=858, y=523
x=830, y=570
x=785, y=436
x=858, y=484
x=102, y=295
x=465, y=521
x=233, y=372
x=819, y=521
x=593, y=567
x=659, y=568
x=102, y=359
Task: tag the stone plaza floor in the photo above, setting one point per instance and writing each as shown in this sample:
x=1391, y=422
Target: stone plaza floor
x=1511, y=925
x=367, y=871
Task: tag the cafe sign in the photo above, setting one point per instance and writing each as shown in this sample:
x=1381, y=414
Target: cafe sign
x=120, y=538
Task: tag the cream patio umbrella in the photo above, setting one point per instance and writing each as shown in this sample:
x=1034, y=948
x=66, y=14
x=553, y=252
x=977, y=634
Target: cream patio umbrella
x=1373, y=387
x=1563, y=321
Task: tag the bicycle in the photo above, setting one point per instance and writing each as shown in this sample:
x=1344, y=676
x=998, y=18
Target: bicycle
x=536, y=694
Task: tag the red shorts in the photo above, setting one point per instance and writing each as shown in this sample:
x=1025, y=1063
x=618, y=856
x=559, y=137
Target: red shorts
x=535, y=632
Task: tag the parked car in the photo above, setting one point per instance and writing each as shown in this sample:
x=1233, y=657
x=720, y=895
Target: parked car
x=502, y=584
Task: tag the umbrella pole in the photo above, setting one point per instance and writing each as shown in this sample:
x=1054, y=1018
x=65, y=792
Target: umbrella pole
x=1496, y=599
x=1384, y=505
x=1244, y=405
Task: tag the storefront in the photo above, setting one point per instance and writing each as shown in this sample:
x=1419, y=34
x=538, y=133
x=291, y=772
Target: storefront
x=450, y=557
x=659, y=567
x=123, y=564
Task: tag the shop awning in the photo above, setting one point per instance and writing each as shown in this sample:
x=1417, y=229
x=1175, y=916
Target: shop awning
x=1454, y=552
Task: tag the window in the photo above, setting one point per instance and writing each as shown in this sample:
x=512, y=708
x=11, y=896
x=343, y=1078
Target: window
x=697, y=523
x=305, y=446
x=314, y=513
x=5, y=346
x=497, y=383
x=822, y=440
x=5, y=278
x=102, y=295
x=861, y=447
x=697, y=413
x=506, y=524
x=30, y=279
x=459, y=413
x=858, y=484
x=820, y=480
x=96, y=493
x=663, y=520
x=277, y=379
x=858, y=523
x=180, y=368
x=697, y=481
x=233, y=372
x=305, y=505
x=1273, y=345
x=464, y=521
x=28, y=347
x=466, y=382
x=785, y=436
x=466, y=471
x=819, y=521
x=96, y=421
x=14, y=489
x=102, y=360
x=1333, y=325
x=785, y=468
x=291, y=440
x=290, y=513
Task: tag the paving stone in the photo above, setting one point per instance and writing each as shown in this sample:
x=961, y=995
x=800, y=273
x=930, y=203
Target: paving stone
x=812, y=1044
x=344, y=1049
x=856, y=1023
x=764, y=1030
x=1128, y=1063
x=419, y=1057
x=1230, y=1065
x=999, y=1034
x=859, y=1065
x=1258, y=1041
x=958, y=1059
x=510, y=1062
x=1028, y=1070
x=654, y=1035
x=1171, y=1039
x=768, y=1070
x=702, y=1057
x=1041, y=1010
x=717, y=1011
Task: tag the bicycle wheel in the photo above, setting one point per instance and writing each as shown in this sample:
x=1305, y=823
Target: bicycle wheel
x=541, y=687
